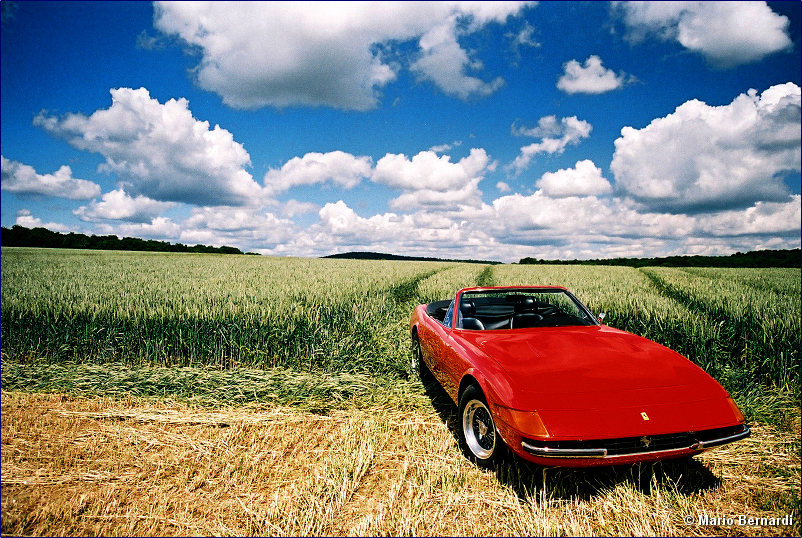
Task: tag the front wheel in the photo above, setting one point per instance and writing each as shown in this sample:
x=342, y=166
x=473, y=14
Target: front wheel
x=479, y=435
x=416, y=365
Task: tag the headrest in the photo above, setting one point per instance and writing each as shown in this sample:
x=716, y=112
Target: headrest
x=527, y=304
x=467, y=308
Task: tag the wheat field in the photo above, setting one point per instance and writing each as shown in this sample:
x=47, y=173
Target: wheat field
x=191, y=394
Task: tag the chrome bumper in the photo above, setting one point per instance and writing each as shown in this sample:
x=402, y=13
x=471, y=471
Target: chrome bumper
x=724, y=440
x=550, y=452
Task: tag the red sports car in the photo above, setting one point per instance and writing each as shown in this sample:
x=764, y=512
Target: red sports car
x=531, y=368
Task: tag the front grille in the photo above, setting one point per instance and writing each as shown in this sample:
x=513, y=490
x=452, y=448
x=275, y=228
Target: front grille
x=638, y=445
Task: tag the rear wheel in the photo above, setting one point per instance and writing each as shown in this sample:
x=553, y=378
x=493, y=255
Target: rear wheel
x=481, y=440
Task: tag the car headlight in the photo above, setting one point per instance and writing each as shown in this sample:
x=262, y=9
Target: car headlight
x=738, y=415
x=526, y=422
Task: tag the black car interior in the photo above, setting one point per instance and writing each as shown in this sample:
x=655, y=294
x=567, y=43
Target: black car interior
x=513, y=311
x=438, y=309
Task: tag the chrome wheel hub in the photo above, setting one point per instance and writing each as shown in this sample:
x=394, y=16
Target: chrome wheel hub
x=480, y=431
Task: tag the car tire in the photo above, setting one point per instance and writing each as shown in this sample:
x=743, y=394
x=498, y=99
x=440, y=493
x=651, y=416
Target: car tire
x=416, y=364
x=478, y=435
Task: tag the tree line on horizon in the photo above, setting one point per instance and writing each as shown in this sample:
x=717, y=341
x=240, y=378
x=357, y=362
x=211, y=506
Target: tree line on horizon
x=757, y=258
x=20, y=236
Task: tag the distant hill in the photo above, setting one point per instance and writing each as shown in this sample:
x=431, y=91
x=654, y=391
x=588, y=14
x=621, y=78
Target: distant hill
x=20, y=236
x=381, y=256
x=757, y=258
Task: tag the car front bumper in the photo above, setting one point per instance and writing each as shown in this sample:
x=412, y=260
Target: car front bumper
x=630, y=449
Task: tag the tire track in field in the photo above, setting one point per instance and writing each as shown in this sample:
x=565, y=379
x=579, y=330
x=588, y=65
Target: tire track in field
x=405, y=296
x=731, y=333
x=739, y=341
x=675, y=294
x=708, y=341
x=388, y=334
x=486, y=278
x=406, y=291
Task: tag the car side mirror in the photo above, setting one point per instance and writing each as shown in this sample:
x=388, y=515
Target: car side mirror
x=601, y=316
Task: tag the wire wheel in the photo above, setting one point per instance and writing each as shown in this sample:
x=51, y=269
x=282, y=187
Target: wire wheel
x=479, y=429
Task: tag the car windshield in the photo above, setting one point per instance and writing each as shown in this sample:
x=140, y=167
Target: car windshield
x=520, y=309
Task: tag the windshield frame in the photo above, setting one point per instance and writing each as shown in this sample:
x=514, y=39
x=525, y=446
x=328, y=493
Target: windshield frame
x=457, y=317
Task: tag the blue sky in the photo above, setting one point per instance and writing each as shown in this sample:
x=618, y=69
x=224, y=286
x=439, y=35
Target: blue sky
x=492, y=130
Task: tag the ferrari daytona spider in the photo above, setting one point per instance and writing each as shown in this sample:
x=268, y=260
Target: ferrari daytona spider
x=530, y=368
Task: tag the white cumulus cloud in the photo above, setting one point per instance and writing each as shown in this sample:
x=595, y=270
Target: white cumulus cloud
x=445, y=63
x=524, y=37
x=592, y=77
x=291, y=208
x=764, y=218
x=585, y=179
x=338, y=167
x=341, y=229
x=541, y=219
x=334, y=54
x=117, y=205
x=441, y=148
x=229, y=219
x=246, y=228
x=704, y=157
x=430, y=180
x=727, y=34
x=342, y=222
x=26, y=219
x=160, y=150
x=555, y=137
x=23, y=179
x=160, y=228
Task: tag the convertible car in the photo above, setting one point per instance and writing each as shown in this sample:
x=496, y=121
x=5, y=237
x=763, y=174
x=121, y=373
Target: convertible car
x=530, y=368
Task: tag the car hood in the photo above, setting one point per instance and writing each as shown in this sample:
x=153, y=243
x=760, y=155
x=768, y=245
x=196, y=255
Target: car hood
x=595, y=374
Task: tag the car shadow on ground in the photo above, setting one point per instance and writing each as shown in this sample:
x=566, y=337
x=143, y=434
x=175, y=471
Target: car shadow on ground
x=685, y=476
